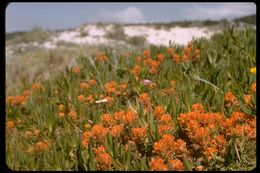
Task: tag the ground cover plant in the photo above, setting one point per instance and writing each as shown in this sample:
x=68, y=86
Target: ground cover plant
x=164, y=108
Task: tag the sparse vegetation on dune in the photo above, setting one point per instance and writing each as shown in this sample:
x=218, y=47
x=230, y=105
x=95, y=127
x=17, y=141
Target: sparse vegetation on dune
x=187, y=107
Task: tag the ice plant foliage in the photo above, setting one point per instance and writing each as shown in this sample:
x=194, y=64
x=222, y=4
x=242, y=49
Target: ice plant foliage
x=142, y=110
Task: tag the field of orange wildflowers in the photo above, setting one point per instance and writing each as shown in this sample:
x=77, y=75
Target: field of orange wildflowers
x=165, y=108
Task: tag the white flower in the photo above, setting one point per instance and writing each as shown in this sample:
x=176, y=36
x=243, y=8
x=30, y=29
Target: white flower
x=146, y=81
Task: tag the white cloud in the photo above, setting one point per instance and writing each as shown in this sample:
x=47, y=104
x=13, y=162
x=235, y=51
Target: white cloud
x=128, y=15
x=219, y=11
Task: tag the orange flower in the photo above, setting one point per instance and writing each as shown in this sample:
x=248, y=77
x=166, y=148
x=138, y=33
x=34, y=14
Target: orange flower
x=104, y=160
x=197, y=107
x=99, y=132
x=72, y=114
x=36, y=133
x=146, y=53
x=10, y=124
x=176, y=165
x=197, y=53
x=165, y=119
x=159, y=111
x=36, y=86
x=16, y=100
x=76, y=70
x=101, y=57
x=138, y=59
x=153, y=70
x=107, y=120
x=136, y=70
x=110, y=87
x=202, y=136
x=176, y=58
x=248, y=98
x=253, y=87
x=185, y=58
x=26, y=93
x=153, y=63
x=164, y=129
x=92, y=82
x=85, y=138
x=145, y=98
x=210, y=153
x=220, y=142
x=110, y=100
x=169, y=50
x=116, y=131
x=118, y=116
x=199, y=168
x=172, y=83
x=168, y=147
x=61, y=114
x=139, y=133
x=84, y=86
x=28, y=134
x=87, y=126
x=122, y=86
x=230, y=98
x=90, y=98
x=40, y=146
x=250, y=132
x=160, y=57
x=81, y=98
x=188, y=51
x=61, y=108
x=238, y=131
x=157, y=164
x=129, y=117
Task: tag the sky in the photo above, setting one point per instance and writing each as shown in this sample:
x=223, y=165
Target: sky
x=26, y=16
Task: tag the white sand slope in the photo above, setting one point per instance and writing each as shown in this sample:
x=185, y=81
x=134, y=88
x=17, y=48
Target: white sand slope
x=96, y=35
x=177, y=35
x=92, y=34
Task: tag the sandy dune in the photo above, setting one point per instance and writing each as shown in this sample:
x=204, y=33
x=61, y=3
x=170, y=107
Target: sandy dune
x=97, y=35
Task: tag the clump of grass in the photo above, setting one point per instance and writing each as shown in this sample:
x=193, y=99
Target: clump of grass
x=136, y=40
x=117, y=33
x=38, y=35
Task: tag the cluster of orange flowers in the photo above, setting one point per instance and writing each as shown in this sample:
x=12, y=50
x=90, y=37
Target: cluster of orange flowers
x=188, y=54
x=111, y=89
x=169, y=90
x=103, y=158
x=84, y=86
x=230, y=99
x=39, y=147
x=136, y=71
x=62, y=110
x=101, y=57
x=165, y=123
x=21, y=99
x=248, y=96
x=169, y=148
x=76, y=70
x=209, y=131
x=10, y=124
x=158, y=164
x=139, y=134
x=112, y=124
x=144, y=98
x=29, y=134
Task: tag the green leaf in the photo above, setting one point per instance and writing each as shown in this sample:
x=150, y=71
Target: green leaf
x=128, y=158
x=187, y=166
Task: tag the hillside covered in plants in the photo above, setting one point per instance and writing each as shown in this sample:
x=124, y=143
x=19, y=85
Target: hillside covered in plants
x=178, y=107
